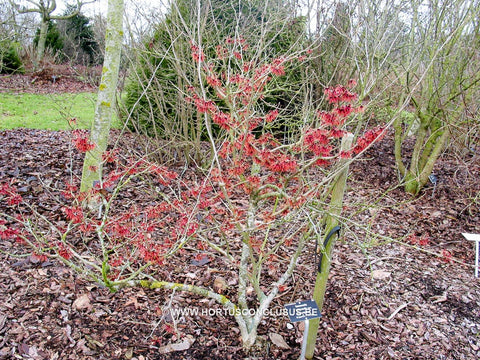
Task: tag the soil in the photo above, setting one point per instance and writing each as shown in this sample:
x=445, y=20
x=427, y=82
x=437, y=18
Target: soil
x=401, y=286
x=52, y=79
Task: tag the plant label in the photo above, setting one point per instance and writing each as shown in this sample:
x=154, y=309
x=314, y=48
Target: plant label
x=303, y=310
x=476, y=239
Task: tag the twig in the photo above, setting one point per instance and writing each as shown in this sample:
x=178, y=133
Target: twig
x=400, y=308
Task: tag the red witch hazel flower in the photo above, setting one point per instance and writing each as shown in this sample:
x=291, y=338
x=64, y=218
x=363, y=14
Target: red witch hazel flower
x=81, y=141
x=271, y=116
x=339, y=94
x=73, y=213
x=279, y=163
x=213, y=81
x=63, y=251
x=203, y=106
x=10, y=192
x=197, y=53
x=8, y=233
x=369, y=137
x=446, y=256
x=277, y=67
x=222, y=119
x=70, y=190
x=110, y=156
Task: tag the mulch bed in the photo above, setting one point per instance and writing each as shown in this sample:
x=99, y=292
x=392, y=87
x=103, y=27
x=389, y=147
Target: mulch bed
x=52, y=79
x=386, y=299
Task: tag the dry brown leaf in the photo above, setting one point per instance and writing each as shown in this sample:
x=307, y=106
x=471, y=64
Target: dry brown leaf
x=278, y=340
x=380, y=274
x=219, y=284
x=82, y=303
x=132, y=300
x=180, y=346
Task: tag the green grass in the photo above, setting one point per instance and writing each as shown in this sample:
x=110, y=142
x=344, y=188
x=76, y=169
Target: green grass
x=46, y=111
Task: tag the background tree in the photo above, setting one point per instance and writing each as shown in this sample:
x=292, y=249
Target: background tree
x=416, y=61
x=53, y=41
x=92, y=166
x=46, y=8
x=15, y=33
x=99, y=26
x=80, y=45
x=441, y=83
x=333, y=62
x=10, y=61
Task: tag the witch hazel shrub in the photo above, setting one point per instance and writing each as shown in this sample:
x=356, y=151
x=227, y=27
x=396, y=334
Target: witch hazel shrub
x=272, y=193
x=255, y=207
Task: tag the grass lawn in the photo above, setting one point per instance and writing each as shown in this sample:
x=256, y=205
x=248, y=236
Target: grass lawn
x=46, y=111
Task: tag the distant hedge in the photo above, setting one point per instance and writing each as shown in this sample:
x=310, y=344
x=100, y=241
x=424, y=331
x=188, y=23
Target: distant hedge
x=10, y=61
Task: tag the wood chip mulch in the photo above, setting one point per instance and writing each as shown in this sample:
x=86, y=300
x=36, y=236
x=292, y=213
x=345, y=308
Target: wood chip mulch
x=386, y=299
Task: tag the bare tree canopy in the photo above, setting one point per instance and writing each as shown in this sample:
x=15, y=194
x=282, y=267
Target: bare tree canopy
x=46, y=8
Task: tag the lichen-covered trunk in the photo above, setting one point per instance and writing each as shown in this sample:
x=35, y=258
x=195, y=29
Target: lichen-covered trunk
x=420, y=170
x=92, y=165
x=429, y=143
x=42, y=39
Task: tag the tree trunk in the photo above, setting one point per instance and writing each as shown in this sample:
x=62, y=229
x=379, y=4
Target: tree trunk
x=42, y=39
x=417, y=176
x=92, y=165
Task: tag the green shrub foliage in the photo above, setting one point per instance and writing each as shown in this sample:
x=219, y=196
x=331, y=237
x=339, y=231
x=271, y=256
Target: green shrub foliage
x=10, y=61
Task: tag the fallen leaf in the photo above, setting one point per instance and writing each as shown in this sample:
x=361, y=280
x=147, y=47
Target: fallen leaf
x=82, y=303
x=180, y=346
x=132, y=300
x=380, y=274
x=201, y=259
x=191, y=275
x=219, y=284
x=278, y=340
x=129, y=354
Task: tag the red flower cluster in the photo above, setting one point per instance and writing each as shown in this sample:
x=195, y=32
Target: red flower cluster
x=203, y=106
x=11, y=194
x=197, y=53
x=73, y=213
x=237, y=55
x=317, y=141
x=278, y=162
x=239, y=40
x=8, y=232
x=111, y=179
x=368, y=138
x=277, y=66
x=339, y=94
x=70, y=191
x=110, y=156
x=223, y=120
x=63, y=251
x=447, y=256
x=423, y=240
x=213, y=81
x=81, y=141
x=271, y=116
x=221, y=52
